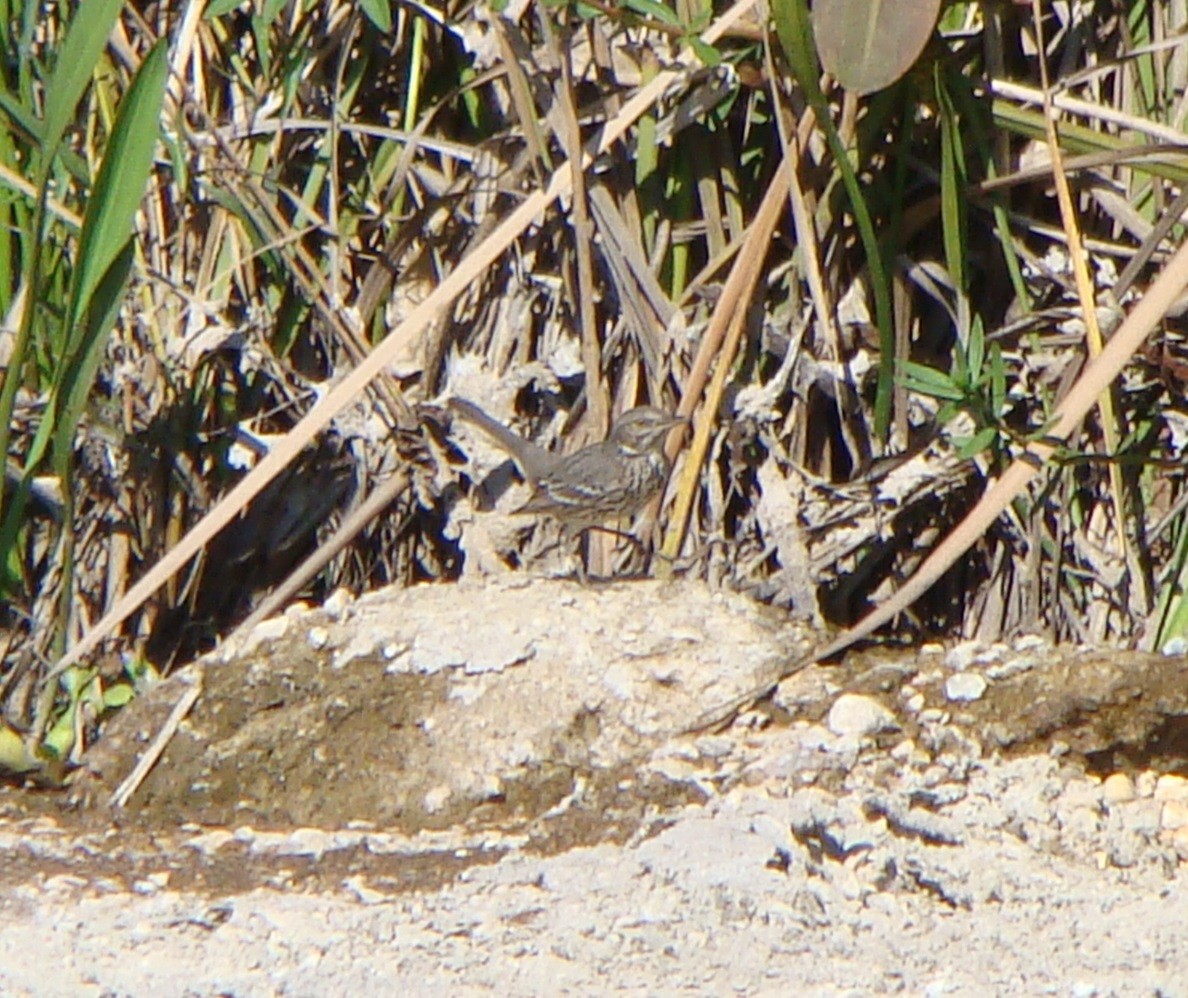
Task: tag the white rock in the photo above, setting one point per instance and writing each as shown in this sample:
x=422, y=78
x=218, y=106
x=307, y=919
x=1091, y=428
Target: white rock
x=436, y=798
x=965, y=686
x=1179, y=841
x=1175, y=647
x=337, y=603
x=961, y=656
x=1171, y=787
x=1174, y=814
x=858, y=716
x=1012, y=667
x=1140, y=819
x=1118, y=788
x=266, y=631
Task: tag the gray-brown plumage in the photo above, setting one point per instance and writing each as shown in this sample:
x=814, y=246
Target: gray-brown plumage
x=598, y=484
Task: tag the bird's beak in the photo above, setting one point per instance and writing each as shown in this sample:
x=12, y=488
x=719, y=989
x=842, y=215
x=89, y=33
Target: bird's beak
x=675, y=421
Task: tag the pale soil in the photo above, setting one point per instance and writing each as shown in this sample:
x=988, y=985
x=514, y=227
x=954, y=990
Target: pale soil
x=485, y=787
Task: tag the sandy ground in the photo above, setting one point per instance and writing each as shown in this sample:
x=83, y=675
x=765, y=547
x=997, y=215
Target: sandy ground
x=878, y=827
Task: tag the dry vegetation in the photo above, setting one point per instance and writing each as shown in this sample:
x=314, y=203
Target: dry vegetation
x=864, y=340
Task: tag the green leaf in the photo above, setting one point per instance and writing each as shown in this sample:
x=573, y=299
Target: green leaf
x=379, y=13
x=79, y=374
x=795, y=33
x=217, y=8
x=118, y=695
x=952, y=183
x=14, y=756
x=85, y=42
x=272, y=10
x=929, y=381
x=967, y=447
x=705, y=52
x=59, y=740
x=998, y=388
x=24, y=119
x=119, y=186
x=977, y=350
x=947, y=413
x=653, y=9
x=961, y=374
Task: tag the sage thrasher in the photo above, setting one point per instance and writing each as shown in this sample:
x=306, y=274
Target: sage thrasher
x=593, y=486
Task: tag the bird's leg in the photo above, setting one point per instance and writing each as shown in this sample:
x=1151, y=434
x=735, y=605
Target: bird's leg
x=582, y=553
x=635, y=541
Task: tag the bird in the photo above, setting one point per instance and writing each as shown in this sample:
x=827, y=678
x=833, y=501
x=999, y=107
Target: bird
x=598, y=484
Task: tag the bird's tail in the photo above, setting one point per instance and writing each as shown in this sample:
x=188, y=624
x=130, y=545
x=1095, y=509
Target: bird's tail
x=532, y=459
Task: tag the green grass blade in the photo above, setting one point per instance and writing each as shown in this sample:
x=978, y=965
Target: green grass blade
x=119, y=186
x=952, y=183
